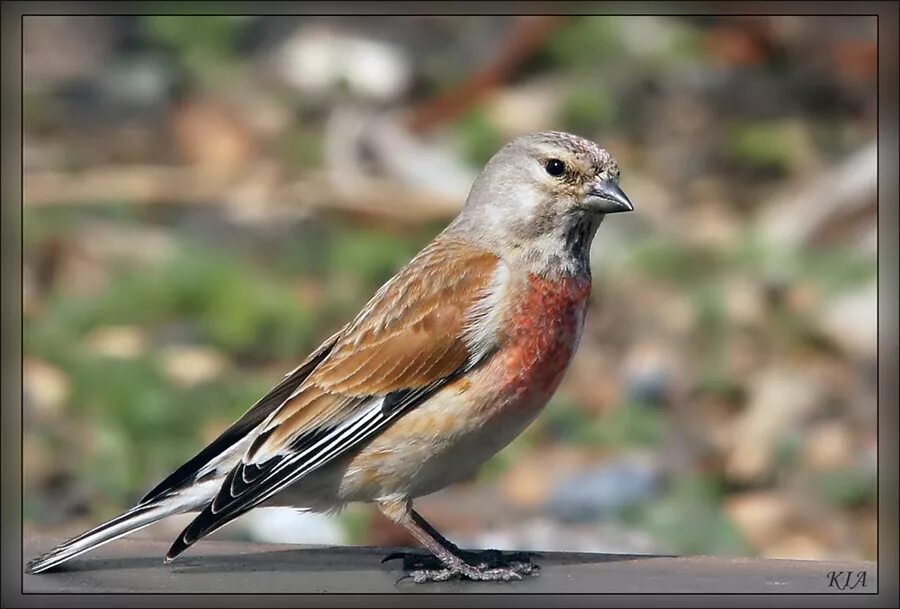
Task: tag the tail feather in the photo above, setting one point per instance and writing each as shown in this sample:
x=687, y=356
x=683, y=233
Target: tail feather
x=134, y=519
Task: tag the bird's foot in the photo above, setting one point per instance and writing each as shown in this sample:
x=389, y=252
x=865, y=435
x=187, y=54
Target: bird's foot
x=488, y=565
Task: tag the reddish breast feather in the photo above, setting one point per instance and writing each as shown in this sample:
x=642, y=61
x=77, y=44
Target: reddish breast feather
x=545, y=329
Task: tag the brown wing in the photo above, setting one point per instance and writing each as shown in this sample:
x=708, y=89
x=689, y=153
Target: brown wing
x=408, y=337
x=405, y=344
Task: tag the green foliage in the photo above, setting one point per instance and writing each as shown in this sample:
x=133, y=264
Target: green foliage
x=235, y=308
x=765, y=146
x=202, y=43
x=713, y=332
x=141, y=425
x=832, y=268
x=370, y=255
x=479, y=138
x=689, y=519
x=847, y=488
x=788, y=450
x=354, y=521
x=587, y=109
x=630, y=424
x=301, y=148
x=836, y=269
x=672, y=263
x=584, y=42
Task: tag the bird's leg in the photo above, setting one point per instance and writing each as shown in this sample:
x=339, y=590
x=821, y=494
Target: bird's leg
x=489, y=558
x=448, y=560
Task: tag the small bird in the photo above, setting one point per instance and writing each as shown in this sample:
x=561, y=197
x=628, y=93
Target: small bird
x=449, y=361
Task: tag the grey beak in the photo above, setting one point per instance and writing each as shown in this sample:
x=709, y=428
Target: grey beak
x=610, y=198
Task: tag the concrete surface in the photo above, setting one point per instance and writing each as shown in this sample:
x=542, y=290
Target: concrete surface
x=135, y=565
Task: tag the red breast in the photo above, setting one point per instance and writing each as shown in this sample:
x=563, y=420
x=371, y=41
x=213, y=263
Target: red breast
x=544, y=330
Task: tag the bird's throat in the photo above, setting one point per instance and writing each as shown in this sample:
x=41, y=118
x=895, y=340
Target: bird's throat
x=580, y=235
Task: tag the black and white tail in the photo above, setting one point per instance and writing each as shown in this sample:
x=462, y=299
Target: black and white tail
x=138, y=517
x=192, y=486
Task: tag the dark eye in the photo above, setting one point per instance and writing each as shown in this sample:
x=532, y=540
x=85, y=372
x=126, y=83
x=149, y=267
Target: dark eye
x=555, y=167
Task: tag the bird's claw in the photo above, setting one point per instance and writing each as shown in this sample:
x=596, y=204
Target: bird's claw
x=489, y=565
x=394, y=556
x=513, y=572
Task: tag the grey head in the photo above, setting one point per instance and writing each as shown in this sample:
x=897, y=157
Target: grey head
x=540, y=199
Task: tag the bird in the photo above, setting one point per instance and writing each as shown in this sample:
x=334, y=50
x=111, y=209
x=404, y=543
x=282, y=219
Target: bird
x=449, y=361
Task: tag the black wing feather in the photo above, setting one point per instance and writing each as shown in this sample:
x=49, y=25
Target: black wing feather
x=248, y=485
x=257, y=413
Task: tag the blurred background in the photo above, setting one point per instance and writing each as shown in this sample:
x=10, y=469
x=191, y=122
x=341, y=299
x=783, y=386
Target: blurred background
x=206, y=198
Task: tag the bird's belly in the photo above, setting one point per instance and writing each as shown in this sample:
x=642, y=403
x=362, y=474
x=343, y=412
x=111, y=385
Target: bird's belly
x=473, y=418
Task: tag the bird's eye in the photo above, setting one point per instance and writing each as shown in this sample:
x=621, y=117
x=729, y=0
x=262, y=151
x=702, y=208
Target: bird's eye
x=555, y=167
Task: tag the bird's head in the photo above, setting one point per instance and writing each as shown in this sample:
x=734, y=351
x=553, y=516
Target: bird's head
x=546, y=190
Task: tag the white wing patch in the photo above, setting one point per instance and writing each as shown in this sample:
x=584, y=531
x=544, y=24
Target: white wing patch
x=486, y=315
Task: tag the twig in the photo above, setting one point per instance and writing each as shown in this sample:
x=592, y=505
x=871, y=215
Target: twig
x=528, y=34
x=151, y=185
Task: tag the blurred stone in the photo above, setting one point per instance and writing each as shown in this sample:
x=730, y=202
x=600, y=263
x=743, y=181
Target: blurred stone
x=794, y=217
x=552, y=536
x=191, y=365
x=653, y=36
x=745, y=354
x=31, y=294
x=371, y=157
x=287, y=525
x=120, y=342
x=46, y=388
x=58, y=48
x=603, y=491
x=526, y=486
x=735, y=45
x=865, y=241
x=213, y=428
x=851, y=320
x=37, y=462
x=319, y=61
x=800, y=546
x=802, y=298
x=591, y=391
x=429, y=166
x=711, y=416
x=829, y=446
x=530, y=479
x=265, y=113
x=143, y=83
x=679, y=315
x=761, y=516
x=211, y=135
x=658, y=203
x=250, y=200
x=780, y=397
x=310, y=292
x=745, y=301
x=866, y=530
x=529, y=107
x=712, y=225
x=104, y=240
x=650, y=371
x=78, y=271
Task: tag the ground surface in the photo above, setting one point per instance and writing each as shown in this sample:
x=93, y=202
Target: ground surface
x=226, y=567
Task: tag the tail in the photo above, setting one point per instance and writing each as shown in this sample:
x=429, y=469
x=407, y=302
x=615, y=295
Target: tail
x=138, y=517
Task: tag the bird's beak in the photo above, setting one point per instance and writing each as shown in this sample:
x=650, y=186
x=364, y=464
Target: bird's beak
x=606, y=197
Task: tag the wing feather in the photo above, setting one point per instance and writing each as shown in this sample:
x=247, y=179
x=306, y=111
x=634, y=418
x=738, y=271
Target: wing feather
x=239, y=430
x=407, y=343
